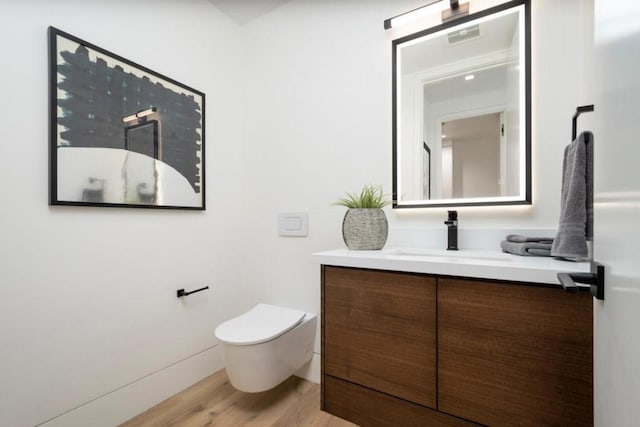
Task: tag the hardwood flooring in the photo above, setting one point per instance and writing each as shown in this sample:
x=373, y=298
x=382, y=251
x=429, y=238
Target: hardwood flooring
x=214, y=402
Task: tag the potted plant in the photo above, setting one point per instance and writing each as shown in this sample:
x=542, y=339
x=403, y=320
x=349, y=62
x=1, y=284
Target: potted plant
x=365, y=225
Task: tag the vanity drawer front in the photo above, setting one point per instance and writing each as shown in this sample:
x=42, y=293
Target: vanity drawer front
x=370, y=408
x=514, y=355
x=379, y=331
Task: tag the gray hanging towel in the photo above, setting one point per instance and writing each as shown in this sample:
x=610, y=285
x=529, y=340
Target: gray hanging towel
x=576, y=204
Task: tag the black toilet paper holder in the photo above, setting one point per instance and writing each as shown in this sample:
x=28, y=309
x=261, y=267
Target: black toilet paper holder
x=181, y=292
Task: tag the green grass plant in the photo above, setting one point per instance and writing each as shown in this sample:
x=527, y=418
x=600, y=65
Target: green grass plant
x=371, y=197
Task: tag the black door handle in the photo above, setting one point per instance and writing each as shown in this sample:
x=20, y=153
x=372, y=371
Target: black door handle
x=595, y=279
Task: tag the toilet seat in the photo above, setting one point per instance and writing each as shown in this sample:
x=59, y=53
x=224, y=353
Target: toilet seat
x=262, y=323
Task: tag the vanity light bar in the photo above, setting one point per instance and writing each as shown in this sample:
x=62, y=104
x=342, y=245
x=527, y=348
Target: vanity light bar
x=455, y=10
x=409, y=16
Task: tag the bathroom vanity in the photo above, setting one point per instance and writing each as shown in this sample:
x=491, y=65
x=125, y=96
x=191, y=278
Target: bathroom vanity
x=419, y=337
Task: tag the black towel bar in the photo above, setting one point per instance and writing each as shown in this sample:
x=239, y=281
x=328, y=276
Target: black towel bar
x=579, y=110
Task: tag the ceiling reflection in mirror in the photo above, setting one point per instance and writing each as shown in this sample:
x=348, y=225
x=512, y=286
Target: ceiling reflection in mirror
x=461, y=112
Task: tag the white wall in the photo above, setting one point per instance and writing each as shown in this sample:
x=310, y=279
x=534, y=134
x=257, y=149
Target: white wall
x=476, y=156
x=88, y=302
x=317, y=123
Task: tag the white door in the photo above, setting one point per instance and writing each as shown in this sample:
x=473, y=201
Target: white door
x=616, y=127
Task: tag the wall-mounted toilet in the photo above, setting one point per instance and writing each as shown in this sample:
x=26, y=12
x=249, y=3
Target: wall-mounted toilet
x=266, y=345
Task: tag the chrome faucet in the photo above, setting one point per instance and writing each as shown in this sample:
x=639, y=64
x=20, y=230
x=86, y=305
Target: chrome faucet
x=452, y=231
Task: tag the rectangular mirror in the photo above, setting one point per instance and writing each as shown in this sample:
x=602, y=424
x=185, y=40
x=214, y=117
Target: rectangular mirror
x=461, y=111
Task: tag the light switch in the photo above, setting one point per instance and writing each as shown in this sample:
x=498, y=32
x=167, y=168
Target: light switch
x=293, y=224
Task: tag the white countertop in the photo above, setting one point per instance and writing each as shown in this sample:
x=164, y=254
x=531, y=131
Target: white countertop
x=486, y=264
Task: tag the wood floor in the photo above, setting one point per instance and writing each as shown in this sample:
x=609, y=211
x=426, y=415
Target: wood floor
x=214, y=402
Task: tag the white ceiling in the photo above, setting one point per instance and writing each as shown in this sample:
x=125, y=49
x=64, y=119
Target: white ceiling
x=244, y=11
x=434, y=50
x=485, y=80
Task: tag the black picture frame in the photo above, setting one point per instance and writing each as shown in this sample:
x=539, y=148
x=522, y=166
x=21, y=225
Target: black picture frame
x=121, y=135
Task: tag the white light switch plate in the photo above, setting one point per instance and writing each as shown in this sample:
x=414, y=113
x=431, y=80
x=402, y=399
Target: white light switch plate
x=293, y=224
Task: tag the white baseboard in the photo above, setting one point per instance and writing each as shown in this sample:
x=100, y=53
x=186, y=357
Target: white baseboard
x=125, y=403
x=311, y=370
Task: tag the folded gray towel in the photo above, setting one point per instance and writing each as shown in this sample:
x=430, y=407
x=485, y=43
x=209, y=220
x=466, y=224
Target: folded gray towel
x=539, y=252
x=522, y=239
x=526, y=248
x=576, y=206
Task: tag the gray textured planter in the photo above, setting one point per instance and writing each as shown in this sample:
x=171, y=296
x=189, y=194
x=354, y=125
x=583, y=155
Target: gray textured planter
x=365, y=229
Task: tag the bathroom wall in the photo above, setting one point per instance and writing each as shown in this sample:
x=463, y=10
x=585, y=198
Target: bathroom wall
x=317, y=123
x=91, y=329
x=476, y=155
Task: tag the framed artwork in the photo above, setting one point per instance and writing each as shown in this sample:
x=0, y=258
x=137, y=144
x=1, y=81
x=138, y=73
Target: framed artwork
x=121, y=135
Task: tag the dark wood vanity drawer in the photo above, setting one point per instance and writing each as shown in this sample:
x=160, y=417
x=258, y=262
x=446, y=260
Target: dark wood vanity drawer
x=514, y=354
x=379, y=331
x=369, y=408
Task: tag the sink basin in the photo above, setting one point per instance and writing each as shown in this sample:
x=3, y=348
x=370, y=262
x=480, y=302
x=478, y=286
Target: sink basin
x=451, y=255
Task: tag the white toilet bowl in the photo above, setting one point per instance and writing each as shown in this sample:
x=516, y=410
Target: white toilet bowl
x=266, y=345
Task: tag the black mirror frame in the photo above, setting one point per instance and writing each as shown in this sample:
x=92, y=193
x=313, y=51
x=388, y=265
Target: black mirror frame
x=527, y=200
